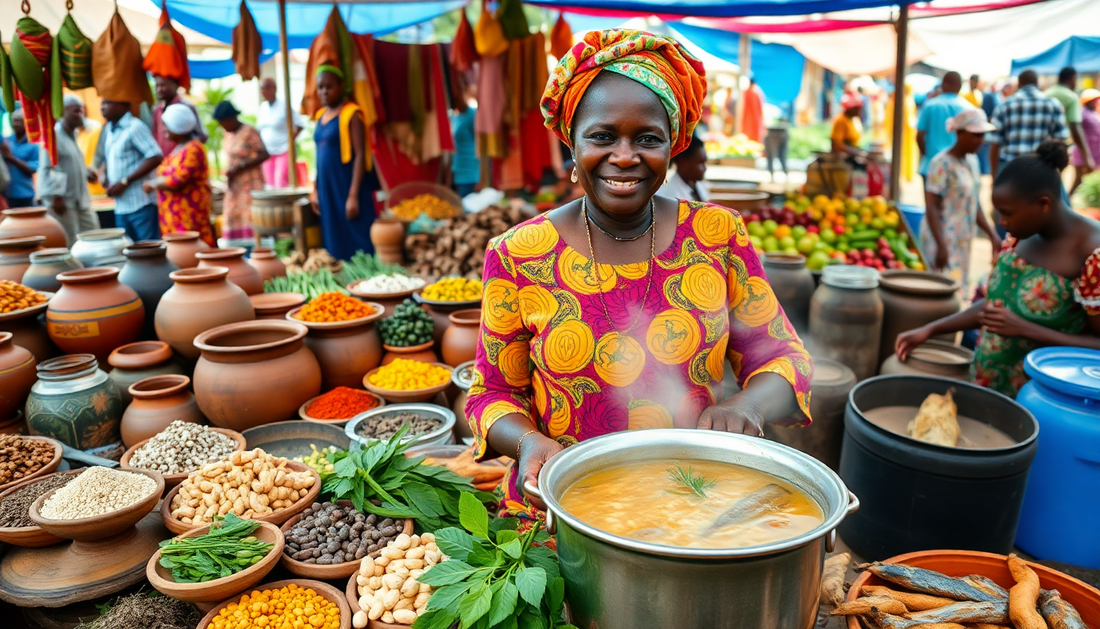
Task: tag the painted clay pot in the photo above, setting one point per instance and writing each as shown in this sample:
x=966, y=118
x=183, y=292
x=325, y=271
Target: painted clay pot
x=137, y=361
x=17, y=376
x=461, y=338
x=275, y=305
x=158, y=401
x=241, y=272
x=254, y=373
x=76, y=403
x=33, y=221
x=264, y=260
x=45, y=266
x=15, y=256
x=424, y=353
x=182, y=247
x=147, y=271
x=388, y=238
x=102, y=247
x=94, y=313
x=346, y=350
x=200, y=300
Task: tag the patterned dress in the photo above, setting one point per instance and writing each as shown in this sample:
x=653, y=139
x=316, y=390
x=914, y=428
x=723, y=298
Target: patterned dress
x=1039, y=296
x=185, y=204
x=548, y=352
x=240, y=146
x=959, y=185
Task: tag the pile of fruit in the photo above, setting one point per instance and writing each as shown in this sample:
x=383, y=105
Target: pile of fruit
x=737, y=146
x=835, y=231
x=409, y=325
x=410, y=209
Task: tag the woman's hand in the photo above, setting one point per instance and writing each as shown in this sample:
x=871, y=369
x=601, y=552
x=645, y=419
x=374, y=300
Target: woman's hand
x=907, y=341
x=231, y=172
x=733, y=415
x=535, y=450
x=314, y=202
x=941, y=258
x=149, y=186
x=997, y=243
x=1000, y=320
x=352, y=208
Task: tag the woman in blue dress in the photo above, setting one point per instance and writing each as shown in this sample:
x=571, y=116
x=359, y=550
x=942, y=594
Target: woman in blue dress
x=344, y=193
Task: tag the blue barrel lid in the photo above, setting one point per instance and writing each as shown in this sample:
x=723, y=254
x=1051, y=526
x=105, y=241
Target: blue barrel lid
x=1071, y=370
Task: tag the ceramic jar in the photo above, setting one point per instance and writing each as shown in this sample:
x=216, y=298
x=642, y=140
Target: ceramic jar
x=275, y=305
x=793, y=285
x=828, y=395
x=93, y=313
x=264, y=260
x=201, y=299
x=17, y=376
x=424, y=353
x=932, y=358
x=346, y=350
x=101, y=247
x=147, y=271
x=45, y=265
x=241, y=272
x=254, y=373
x=182, y=247
x=137, y=361
x=76, y=403
x=388, y=238
x=33, y=221
x=461, y=338
x=158, y=401
x=911, y=299
x=846, y=318
x=15, y=256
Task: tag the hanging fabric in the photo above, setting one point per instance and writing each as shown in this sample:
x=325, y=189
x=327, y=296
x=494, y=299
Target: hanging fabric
x=36, y=72
x=76, y=55
x=488, y=35
x=116, y=67
x=512, y=20
x=464, y=50
x=167, y=55
x=331, y=47
x=247, y=46
x=561, y=37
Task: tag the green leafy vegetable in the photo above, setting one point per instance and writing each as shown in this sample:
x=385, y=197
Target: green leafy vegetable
x=691, y=482
x=226, y=549
x=363, y=266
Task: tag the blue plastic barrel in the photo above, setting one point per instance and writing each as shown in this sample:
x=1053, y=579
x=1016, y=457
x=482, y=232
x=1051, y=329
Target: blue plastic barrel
x=1061, y=513
x=913, y=214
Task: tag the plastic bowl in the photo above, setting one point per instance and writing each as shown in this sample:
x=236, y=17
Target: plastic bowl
x=440, y=436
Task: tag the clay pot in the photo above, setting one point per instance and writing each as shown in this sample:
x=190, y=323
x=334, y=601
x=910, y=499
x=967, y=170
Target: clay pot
x=33, y=221
x=93, y=313
x=17, y=376
x=388, y=238
x=15, y=256
x=147, y=271
x=461, y=338
x=828, y=396
x=200, y=300
x=158, y=401
x=182, y=247
x=911, y=299
x=76, y=403
x=137, y=361
x=462, y=378
x=793, y=285
x=264, y=260
x=45, y=265
x=424, y=353
x=932, y=358
x=254, y=373
x=102, y=247
x=441, y=316
x=346, y=350
x=29, y=329
x=275, y=305
x=241, y=272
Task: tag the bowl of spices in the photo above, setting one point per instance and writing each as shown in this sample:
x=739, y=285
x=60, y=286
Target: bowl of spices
x=339, y=405
x=428, y=424
x=98, y=503
x=180, y=449
x=142, y=610
x=16, y=526
x=24, y=458
x=287, y=603
x=327, y=540
x=406, y=380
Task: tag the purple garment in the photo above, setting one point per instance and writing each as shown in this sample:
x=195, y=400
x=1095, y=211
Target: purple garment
x=1090, y=130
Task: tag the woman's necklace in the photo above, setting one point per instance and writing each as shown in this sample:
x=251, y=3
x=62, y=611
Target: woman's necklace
x=596, y=265
x=652, y=218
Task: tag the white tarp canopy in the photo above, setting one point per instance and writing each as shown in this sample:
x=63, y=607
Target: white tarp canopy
x=93, y=16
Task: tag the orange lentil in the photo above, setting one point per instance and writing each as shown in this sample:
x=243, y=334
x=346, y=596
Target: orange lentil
x=288, y=606
x=333, y=307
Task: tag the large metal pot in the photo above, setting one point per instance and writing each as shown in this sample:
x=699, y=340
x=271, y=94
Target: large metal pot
x=615, y=582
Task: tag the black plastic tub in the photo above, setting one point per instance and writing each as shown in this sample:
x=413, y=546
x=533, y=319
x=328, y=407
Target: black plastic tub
x=918, y=496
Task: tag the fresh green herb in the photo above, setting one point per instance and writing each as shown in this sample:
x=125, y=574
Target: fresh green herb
x=363, y=266
x=495, y=577
x=309, y=284
x=404, y=486
x=227, y=549
x=691, y=482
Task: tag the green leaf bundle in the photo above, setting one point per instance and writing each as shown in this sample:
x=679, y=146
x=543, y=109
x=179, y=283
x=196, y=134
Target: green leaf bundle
x=226, y=549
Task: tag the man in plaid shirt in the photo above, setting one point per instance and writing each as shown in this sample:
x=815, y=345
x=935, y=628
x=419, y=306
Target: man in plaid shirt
x=1023, y=121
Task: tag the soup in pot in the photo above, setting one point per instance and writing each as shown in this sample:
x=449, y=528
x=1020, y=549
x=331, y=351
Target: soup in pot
x=692, y=504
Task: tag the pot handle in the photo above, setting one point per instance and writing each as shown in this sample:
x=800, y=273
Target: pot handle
x=551, y=525
x=830, y=541
x=853, y=503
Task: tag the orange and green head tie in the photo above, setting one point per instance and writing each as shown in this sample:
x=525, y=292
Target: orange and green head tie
x=657, y=62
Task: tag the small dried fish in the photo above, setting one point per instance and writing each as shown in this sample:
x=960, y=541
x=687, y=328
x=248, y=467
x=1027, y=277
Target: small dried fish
x=889, y=621
x=1058, y=613
x=767, y=498
x=913, y=602
x=966, y=611
x=928, y=582
x=986, y=584
x=862, y=606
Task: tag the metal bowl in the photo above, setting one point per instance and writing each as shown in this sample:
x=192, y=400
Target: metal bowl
x=441, y=435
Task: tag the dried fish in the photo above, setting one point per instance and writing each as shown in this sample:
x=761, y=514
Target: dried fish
x=913, y=602
x=966, y=611
x=986, y=585
x=768, y=498
x=928, y=582
x=1058, y=613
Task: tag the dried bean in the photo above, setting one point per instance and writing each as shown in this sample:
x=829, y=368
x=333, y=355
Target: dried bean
x=332, y=534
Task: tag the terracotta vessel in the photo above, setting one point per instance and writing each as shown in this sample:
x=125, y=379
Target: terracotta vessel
x=254, y=373
x=346, y=350
x=333, y=595
x=101, y=526
x=461, y=338
x=158, y=401
x=828, y=396
x=911, y=299
x=138, y=361
x=45, y=265
x=14, y=425
x=932, y=358
x=333, y=571
x=423, y=353
x=264, y=260
x=241, y=272
x=76, y=403
x=33, y=221
x=94, y=313
x=275, y=305
x=441, y=316
x=388, y=238
x=182, y=247
x=201, y=299
x=793, y=285
x=17, y=376
x=15, y=256
x=147, y=271
x=29, y=329
x=171, y=480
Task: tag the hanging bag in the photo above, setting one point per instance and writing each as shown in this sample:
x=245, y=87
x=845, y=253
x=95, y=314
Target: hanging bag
x=512, y=20
x=464, y=50
x=489, y=36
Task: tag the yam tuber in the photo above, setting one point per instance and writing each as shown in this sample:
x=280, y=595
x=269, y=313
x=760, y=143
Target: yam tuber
x=913, y=602
x=1024, y=596
x=832, y=579
x=937, y=421
x=862, y=606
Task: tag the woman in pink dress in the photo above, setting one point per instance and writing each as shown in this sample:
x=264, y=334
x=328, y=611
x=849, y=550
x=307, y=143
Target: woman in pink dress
x=182, y=182
x=246, y=154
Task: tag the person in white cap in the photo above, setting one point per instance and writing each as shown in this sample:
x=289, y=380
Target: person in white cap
x=1090, y=136
x=183, y=182
x=953, y=199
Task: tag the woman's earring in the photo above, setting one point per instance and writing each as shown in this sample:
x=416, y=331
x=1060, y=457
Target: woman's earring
x=573, y=177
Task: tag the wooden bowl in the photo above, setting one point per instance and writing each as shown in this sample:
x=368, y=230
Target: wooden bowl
x=225, y=587
x=277, y=518
x=330, y=572
x=960, y=563
x=29, y=536
x=330, y=593
x=48, y=468
x=171, y=480
x=414, y=395
x=351, y=592
x=336, y=422
x=100, y=526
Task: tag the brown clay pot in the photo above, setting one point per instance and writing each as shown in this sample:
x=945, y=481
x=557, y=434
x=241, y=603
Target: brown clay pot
x=346, y=350
x=182, y=247
x=264, y=260
x=911, y=299
x=388, y=238
x=94, y=313
x=45, y=265
x=158, y=401
x=441, y=316
x=33, y=221
x=17, y=376
x=932, y=358
x=828, y=397
x=15, y=256
x=201, y=299
x=254, y=373
x=275, y=305
x=424, y=353
x=793, y=285
x=389, y=301
x=147, y=271
x=137, y=361
x=461, y=338
x=29, y=330
x=241, y=272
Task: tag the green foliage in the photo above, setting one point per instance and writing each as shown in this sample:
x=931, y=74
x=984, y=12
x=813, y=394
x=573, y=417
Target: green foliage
x=805, y=140
x=226, y=549
x=210, y=100
x=1088, y=193
x=690, y=482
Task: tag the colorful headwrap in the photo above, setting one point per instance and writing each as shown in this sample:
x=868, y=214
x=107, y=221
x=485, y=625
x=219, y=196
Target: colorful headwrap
x=657, y=62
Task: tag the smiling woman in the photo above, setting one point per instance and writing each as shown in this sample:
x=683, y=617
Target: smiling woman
x=626, y=307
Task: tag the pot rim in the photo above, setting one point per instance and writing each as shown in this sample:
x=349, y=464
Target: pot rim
x=49, y=255
x=5, y=338
x=946, y=288
x=409, y=349
x=198, y=275
x=846, y=502
x=159, y=386
x=99, y=235
x=89, y=276
x=24, y=212
x=379, y=310
x=465, y=317
x=140, y=354
x=221, y=253
x=963, y=353
x=354, y=289
x=22, y=242
x=146, y=249
x=183, y=236
x=276, y=302
x=785, y=260
x=457, y=380
x=67, y=367
x=281, y=193
x=446, y=415
x=266, y=253
x=296, y=332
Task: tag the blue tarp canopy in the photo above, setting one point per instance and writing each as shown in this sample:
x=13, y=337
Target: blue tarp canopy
x=1083, y=53
x=720, y=8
